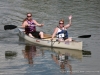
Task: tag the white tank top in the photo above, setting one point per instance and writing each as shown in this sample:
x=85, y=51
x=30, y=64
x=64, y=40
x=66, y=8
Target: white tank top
x=62, y=34
x=59, y=30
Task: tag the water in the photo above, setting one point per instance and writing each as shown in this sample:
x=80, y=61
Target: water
x=86, y=20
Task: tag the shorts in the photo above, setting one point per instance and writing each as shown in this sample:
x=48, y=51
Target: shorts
x=64, y=38
x=36, y=34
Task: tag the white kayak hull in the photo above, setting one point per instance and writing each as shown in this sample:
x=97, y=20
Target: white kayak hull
x=47, y=42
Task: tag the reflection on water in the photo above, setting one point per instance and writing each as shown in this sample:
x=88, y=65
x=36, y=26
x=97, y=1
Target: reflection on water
x=62, y=58
x=72, y=53
x=31, y=52
x=10, y=54
x=58, y=55
x=62, y=61
x=78, y=54
x=86, y=53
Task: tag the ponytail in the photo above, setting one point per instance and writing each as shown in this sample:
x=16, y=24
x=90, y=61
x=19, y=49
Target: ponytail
x=25, y=19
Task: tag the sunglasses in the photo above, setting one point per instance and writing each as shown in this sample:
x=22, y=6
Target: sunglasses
x=61, y=23
x=29, y=16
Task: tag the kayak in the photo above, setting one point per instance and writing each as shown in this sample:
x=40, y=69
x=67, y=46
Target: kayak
x=47, y=41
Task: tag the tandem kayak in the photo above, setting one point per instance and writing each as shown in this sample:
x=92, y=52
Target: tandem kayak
x=47, y=41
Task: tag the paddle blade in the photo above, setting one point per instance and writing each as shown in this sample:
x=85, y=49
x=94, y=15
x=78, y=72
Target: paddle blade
x=9, y=27
x=84, y=36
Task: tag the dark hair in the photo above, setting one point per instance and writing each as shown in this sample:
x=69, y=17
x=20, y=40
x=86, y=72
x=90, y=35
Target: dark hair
x=25, y=19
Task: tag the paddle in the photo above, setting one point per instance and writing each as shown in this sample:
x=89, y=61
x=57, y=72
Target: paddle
x=84, y=36
x=9, y=27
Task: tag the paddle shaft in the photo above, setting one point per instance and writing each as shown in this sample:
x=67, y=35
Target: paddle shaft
x=82, y=36
x=10, y=27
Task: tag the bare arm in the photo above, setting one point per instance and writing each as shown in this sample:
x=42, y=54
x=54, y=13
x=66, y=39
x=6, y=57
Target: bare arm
x=36, y=23
x=24, y=24
x=54, y=33
x=69, y=24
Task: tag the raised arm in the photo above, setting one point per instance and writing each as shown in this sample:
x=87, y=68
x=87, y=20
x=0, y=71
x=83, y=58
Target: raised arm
x=69, y=24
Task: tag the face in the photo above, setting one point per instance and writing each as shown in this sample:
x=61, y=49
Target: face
x=29, y=16
x=61, y=24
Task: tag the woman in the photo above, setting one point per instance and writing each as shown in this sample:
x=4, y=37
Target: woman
x=30, y=27
x=61, y=31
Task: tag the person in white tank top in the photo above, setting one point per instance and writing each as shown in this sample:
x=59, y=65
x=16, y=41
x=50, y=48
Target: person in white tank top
x=61, y=30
